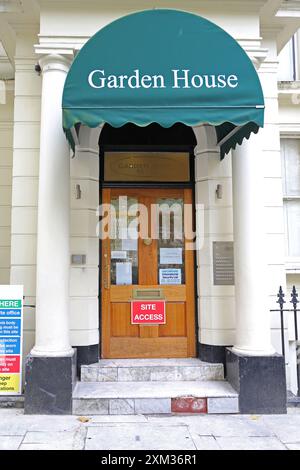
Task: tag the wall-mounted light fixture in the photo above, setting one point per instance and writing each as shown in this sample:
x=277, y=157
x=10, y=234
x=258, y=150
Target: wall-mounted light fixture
x=38, y=69
x=78, y=191
x=219, y=191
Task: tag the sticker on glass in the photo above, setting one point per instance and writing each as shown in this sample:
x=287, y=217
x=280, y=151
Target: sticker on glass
x=170, y=276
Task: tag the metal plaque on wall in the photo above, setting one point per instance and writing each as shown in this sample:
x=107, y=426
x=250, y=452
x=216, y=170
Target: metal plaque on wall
x=223, y=263
x=147, y=166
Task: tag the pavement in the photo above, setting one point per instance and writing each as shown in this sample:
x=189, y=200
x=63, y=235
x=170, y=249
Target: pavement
x=133, y=432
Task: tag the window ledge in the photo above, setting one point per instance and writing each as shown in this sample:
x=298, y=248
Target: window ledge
x=288, y=87
x=292, y=266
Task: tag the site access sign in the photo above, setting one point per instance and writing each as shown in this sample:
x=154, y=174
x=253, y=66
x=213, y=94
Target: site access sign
x=11, y=317
x=148, y=312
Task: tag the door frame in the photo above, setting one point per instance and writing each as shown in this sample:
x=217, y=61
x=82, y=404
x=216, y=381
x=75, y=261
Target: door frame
x=157, y=185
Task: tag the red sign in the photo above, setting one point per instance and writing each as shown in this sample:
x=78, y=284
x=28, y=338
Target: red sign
x=9, y=364
x=148, y=312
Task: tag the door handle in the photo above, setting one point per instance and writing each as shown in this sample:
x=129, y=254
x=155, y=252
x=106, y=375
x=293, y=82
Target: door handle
x=106, y=272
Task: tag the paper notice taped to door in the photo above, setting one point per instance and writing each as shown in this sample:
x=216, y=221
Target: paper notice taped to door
x=129, y=238
x=124, y=273
x=129, y=244
x=170, y=255
x=118, y=255
x=170, y=276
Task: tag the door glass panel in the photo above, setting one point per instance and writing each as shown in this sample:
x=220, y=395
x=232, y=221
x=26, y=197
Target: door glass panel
x=124, y=241
x=171, y=260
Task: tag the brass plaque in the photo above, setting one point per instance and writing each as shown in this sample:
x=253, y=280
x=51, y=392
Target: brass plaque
x=147, y=166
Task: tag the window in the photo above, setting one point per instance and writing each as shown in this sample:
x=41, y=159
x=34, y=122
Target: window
x=287, y=67
x=290, y=153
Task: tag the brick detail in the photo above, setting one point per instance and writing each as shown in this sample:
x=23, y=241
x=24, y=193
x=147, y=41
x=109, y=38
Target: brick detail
x=189, y=405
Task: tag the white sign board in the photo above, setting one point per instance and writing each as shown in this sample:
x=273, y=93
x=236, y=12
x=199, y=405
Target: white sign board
x=170, y=276
x=170, y=256
x=124, y=273
x=11, y=339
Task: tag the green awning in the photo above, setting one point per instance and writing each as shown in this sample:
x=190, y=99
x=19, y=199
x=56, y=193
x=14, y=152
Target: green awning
x=164, y=66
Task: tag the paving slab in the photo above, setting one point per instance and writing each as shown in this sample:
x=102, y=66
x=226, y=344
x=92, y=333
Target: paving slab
x=250, y=443
x=139, y=436
x=231, y=426
x=285, y=428
x=293, y=446
x=18, y=423
x=205, y=442
x=53, y=446
x=116, y=419
x=156, y=432
x=10, y=442
x=63, y=440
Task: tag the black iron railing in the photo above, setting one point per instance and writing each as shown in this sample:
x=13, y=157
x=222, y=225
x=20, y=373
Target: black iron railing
x=294, y=301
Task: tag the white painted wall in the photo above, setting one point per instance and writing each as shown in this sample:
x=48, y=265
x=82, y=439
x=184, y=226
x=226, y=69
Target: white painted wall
x=6, y=142
x=216, y=310
x=84, y=280
x=273, y=202
x=239, y=19
x=25, y=176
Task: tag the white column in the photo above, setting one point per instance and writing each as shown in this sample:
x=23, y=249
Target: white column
x=52, y=289
x=253, y=332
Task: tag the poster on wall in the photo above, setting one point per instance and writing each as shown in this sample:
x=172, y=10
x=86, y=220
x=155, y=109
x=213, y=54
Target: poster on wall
x=11, y=339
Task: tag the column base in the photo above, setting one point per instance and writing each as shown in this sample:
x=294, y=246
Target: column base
x=86, y=355
x=260, y=382
x=49, y=383
x=212, y=353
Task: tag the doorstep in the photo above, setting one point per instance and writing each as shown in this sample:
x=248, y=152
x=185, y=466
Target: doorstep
x=110, y=398
x=143, y=370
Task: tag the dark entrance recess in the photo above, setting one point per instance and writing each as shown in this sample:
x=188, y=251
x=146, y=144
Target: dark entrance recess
x=133, y=137
x=152, y=135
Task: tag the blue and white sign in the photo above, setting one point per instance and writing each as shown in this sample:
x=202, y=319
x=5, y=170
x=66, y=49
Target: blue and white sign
x=11, y=309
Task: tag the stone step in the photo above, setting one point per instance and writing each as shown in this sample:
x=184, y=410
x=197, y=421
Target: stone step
x=94, y=398
x=144, y=370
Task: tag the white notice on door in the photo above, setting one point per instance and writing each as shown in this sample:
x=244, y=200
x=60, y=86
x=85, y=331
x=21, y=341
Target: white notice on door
x=129, y=238
x=123, y=273
x=170, y=256
x=170, y=276
x=118, y=255
x=129, y=244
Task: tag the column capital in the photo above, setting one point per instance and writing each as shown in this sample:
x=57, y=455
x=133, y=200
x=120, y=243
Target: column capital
x=257, y=55
x=206, y=138
x=51, y=62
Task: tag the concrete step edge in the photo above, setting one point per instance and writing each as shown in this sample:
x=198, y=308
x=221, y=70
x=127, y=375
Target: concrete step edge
x=157, y=390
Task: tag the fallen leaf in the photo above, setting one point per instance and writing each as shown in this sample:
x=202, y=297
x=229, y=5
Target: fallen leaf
x=84, y=419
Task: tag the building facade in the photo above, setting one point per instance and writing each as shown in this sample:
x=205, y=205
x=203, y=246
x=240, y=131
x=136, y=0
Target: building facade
x=243, y=187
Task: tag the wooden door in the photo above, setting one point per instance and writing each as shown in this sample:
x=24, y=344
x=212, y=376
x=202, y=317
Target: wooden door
x=131, y=266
